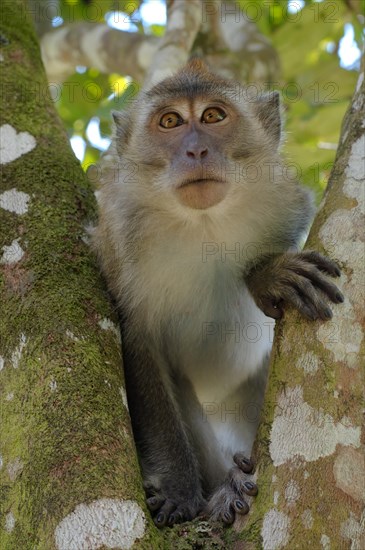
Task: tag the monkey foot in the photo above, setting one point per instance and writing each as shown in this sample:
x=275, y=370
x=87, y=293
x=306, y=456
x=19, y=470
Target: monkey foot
x=168, y=511
x=228, y=500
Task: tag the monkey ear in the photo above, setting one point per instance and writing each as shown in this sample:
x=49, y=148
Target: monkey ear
x=267, y=109
x=121, y=122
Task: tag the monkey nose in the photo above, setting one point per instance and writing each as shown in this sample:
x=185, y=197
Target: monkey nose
x=197, y=152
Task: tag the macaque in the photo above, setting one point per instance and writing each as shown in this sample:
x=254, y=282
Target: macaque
x=198, y=240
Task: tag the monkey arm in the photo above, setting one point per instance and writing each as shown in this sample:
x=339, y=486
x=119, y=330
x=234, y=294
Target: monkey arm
x=296, y=280
x=170, y=469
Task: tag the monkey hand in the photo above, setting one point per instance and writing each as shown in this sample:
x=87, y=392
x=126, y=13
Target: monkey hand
x=295, y=280
x=229, y=499
x=172, y=506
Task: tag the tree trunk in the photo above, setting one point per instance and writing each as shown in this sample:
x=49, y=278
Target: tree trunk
x=70, y=478
x=311, y=459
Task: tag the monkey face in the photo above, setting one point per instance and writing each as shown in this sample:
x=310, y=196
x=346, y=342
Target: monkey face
x=192, y=137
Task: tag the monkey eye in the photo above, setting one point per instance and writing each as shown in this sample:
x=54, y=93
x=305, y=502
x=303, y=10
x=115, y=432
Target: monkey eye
x=213, y=114
x=171, y=120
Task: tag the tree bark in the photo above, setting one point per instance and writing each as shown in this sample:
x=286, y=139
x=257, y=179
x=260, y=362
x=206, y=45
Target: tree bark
x=69, y=474
x=183, y=24
x=310, y=444
x=96, y=45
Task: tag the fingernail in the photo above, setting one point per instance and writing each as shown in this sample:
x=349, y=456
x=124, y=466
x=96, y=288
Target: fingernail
x=227, y=517
x=249, y=485
x=160, y=518
x=171, y=519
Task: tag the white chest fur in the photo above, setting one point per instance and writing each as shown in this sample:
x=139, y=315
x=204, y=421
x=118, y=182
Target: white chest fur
x=201, y=312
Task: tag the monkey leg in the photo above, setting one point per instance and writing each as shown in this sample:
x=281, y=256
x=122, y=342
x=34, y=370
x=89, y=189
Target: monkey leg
x=229, y=499
x=170, y=468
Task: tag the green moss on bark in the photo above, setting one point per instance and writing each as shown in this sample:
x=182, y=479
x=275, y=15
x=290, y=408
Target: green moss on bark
x=66, y=437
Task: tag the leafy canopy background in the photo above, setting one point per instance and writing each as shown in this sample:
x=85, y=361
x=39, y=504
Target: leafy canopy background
x=319, y=72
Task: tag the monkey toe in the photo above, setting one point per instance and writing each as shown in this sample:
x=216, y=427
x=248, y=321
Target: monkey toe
x=245, y=464
x=175, y=517
x=238, y=476
x=154, y=503
x=241, y=486
x=229, y=499
x=168, y=512
x=164, y=513
x=225, y=503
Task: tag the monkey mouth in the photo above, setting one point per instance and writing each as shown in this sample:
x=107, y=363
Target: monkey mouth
x=201, y=193
x=199, y=181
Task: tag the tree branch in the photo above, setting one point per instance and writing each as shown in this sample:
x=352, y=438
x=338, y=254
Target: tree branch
x=183, y=23
x=227, y=39
x=96, y=45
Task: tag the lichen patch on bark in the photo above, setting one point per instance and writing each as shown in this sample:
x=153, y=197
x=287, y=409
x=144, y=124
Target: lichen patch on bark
x=325, y=542
x=14, y=201
x=107, y=324
x=300, y=430
x=123, y=394
x=13, y=145
x=354, y=530
x=12, y=253
x=349, y=472
x=307, y=519
x=342, y=336
x=110, y=523
x=292, y=492
x=309, y=362
x=9, y=522
x=17, y=353
x=275, y=530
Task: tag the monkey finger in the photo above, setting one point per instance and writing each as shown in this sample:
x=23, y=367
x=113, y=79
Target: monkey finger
x=326, y=286
x=314, y=275
x=313, y=299
x=321, y=262
x=294, y=298
x=271, y=308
